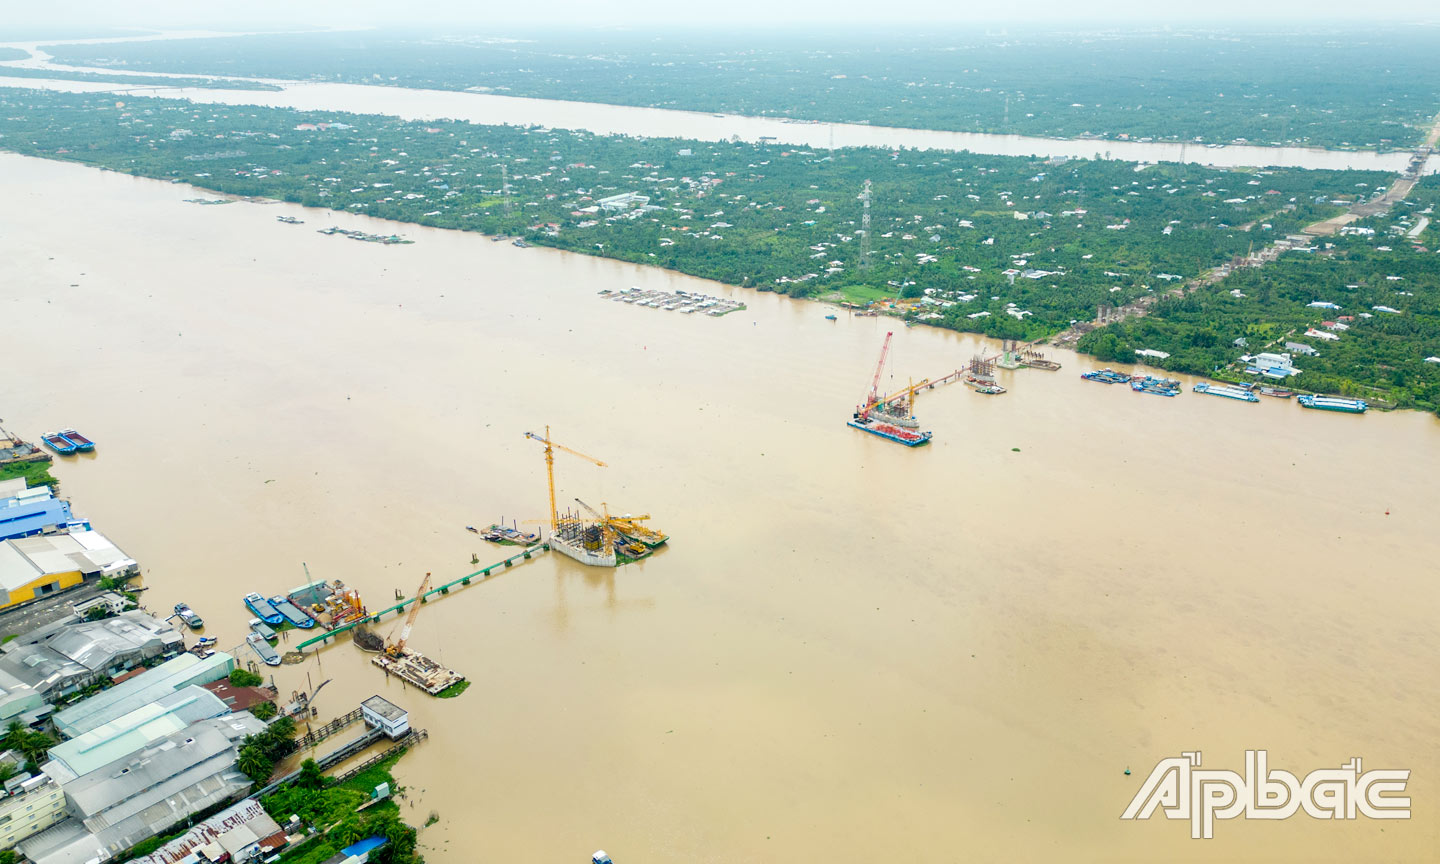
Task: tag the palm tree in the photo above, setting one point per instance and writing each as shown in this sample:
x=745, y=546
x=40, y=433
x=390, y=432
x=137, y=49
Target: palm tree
x=253, y=764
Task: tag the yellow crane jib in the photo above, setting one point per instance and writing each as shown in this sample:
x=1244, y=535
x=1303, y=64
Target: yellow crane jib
x=398, y=648
x=550, y=448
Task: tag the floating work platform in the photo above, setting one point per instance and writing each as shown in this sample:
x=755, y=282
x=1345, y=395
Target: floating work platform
x=908, y=437
x=415, y=668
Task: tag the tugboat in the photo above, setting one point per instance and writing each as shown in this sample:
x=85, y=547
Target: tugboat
x=187, y=615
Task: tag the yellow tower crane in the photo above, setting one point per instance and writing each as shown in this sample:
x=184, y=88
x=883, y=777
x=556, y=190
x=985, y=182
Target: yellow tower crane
x=550, y=448
x=397, y=648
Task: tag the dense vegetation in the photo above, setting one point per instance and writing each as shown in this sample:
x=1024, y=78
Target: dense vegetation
x=35, y=473
x=1007, y=246
x=1375, y=353
x=133, y=80
x=1316, y=85
x=330, y=807
x=260, y=752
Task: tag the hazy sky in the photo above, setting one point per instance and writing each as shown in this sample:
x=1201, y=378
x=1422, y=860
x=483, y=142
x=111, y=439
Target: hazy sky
x=267, y=14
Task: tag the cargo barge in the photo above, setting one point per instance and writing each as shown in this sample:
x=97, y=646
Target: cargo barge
x=1156, y=386
x=415, y=668
x=292, y=613
x=59, y=444
x=1227, y=391
x=262, y=630
x=82, y=444
x=263, y=649
x=908, y=437
x=1105, y=376
x=1277, y=392
x=1334, y=403
x=262, y=609
x=188, y=616
x=498, y=533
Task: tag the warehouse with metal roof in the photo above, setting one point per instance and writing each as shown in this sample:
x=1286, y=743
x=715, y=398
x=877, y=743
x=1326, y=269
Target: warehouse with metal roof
x=174, y=674
x=63, y=657
x=32, y=567
x=139, y=728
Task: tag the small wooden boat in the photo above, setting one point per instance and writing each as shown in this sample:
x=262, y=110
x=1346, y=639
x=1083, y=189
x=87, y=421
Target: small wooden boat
x=83, y=444
x=829, y=317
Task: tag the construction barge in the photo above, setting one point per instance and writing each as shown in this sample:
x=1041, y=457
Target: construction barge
x=411, y=666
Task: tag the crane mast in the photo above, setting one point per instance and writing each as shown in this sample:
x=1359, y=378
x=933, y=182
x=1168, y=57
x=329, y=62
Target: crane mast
x=399, y=646
x=879, y=368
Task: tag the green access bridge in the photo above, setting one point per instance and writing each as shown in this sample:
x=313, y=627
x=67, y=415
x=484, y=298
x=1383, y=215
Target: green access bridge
x=398, y=608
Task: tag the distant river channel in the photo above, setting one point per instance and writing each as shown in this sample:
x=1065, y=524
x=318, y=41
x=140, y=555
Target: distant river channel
x=489, y=109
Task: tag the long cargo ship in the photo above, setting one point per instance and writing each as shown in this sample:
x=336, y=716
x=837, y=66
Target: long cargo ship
x=1106, y=376
x=59, y=444
x=83, y=444
x=262, y=608
x=1334, y=403
x=908, y=437
x=1227, y=391
x=292, y=613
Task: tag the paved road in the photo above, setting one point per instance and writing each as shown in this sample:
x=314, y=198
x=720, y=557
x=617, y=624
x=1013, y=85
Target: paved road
x=46, y=610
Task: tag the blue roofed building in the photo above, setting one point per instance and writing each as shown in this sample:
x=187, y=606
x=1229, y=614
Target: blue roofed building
x=26, y=512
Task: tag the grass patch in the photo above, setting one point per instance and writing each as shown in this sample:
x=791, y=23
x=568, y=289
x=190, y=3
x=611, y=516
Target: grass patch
x=35, y=473
x=453, y=690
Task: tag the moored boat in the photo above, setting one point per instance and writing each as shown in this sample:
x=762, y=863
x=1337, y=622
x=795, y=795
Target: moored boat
x=292, y=613
x=1277, y=392
x=83, y=444
x=1155, y=386
x=59, y=444
x=830, y=318
x=1226, y=391
x=264, y=649
x=263, y=609
x=262, y=629
x=187, y=615
x=1334, y=403
x=1105, y=376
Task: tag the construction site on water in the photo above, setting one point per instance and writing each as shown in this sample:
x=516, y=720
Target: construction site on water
x=892, y=415
x=409, y=665
x=603, y=539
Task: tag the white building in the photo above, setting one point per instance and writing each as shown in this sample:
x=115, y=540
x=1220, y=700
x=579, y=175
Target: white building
x=1273, y=365
x=382, y=714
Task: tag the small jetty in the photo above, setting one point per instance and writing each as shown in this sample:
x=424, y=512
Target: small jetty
x=1334, y=403
x=684, y=302
x=1226, y=391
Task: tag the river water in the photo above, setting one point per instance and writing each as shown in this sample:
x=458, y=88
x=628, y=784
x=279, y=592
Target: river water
x=417, y=104
x=850, y=650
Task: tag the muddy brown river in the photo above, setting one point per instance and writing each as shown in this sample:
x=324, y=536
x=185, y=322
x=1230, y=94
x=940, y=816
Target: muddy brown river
x=849, y=651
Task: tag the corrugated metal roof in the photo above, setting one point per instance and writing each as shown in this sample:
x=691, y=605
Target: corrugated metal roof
x=143, y=689
x=16, y=571
x=137, y=729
